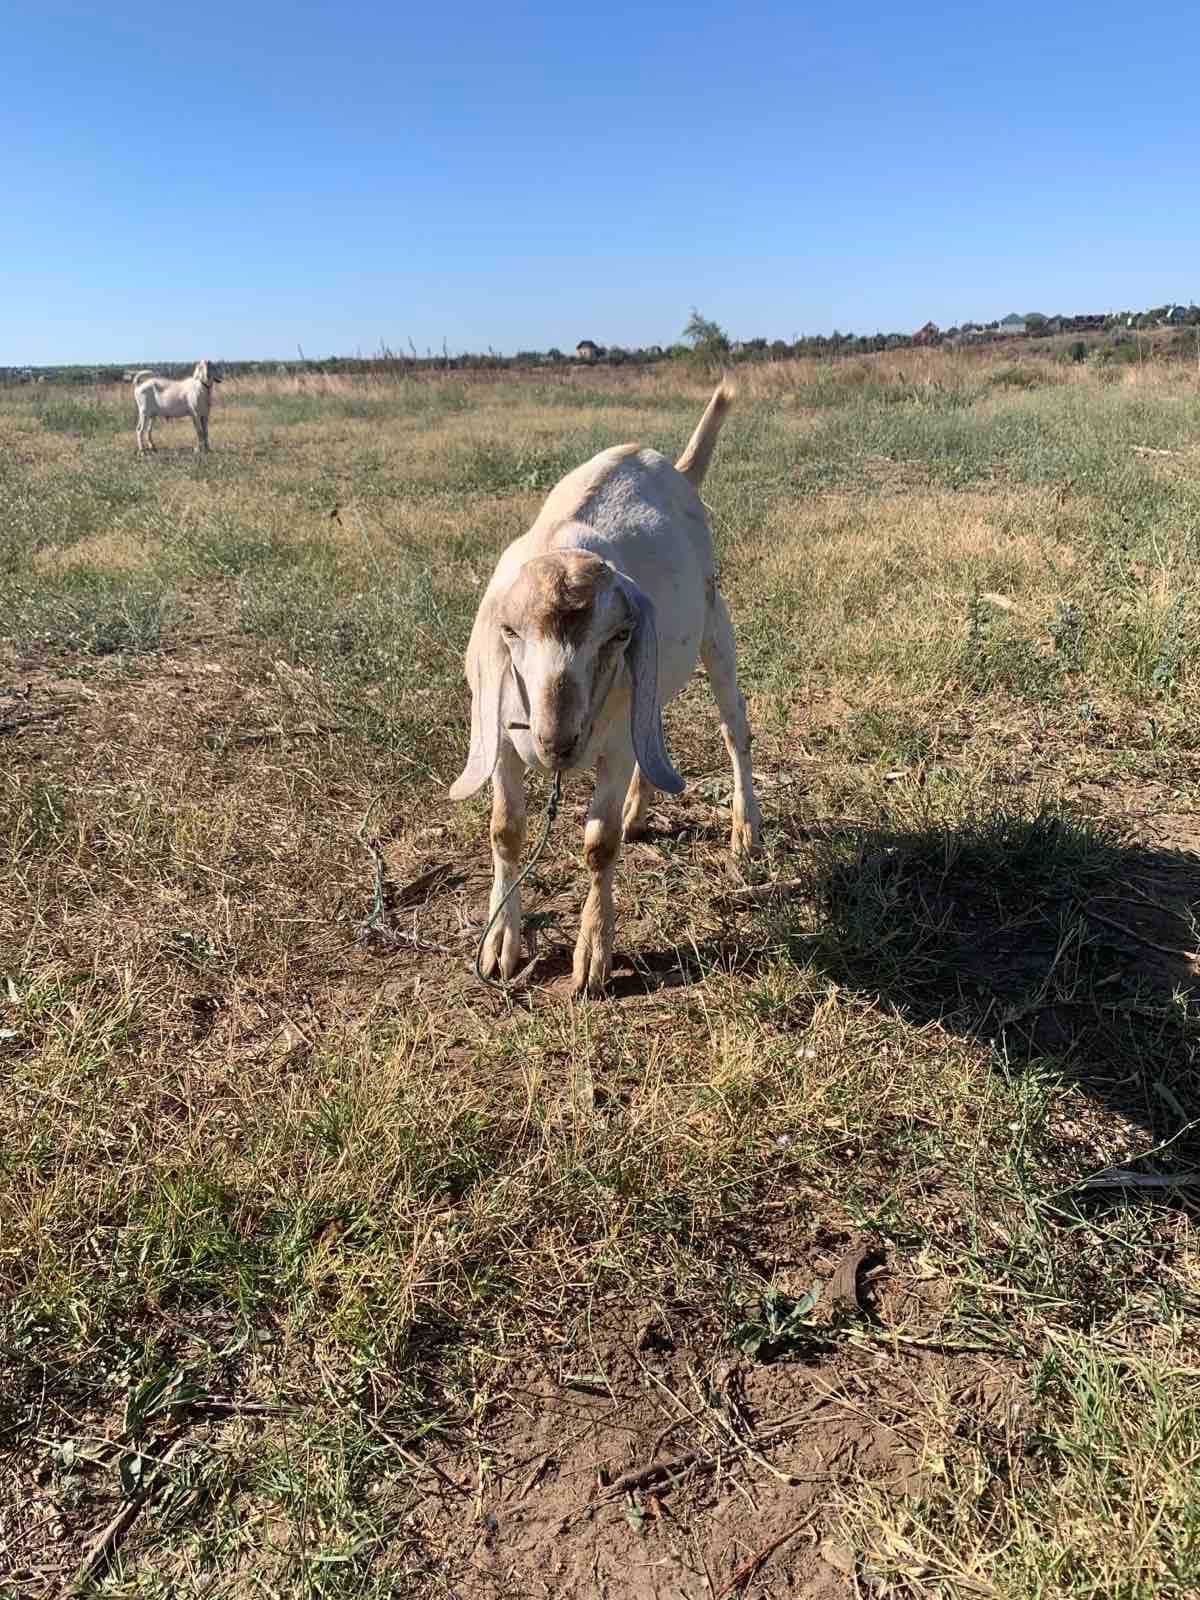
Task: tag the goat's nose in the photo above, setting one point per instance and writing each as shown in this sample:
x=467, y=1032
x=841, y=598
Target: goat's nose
x=560, y=745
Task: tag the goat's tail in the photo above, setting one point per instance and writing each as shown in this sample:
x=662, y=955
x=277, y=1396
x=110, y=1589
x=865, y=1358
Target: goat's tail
x=138, y=376
x=693, y=463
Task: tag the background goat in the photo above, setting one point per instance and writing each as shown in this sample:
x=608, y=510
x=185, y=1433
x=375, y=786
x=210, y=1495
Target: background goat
x=160, y=397
x=592, y=621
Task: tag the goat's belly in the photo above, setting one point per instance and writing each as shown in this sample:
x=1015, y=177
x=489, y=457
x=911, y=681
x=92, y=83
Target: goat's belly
x=677, y=659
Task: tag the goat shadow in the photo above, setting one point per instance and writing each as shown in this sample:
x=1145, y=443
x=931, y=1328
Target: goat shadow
x=1057, y=943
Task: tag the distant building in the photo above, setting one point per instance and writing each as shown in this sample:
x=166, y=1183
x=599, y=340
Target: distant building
x=1013, y=324
x=587, y=350
x=929, y=334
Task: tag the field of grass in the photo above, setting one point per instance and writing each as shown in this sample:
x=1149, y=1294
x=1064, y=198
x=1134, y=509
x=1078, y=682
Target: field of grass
x=846, y=1248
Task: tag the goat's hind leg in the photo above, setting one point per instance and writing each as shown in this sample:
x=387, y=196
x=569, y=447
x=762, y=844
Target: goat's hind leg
x=637, y=806
x=601, y=847
x=719, y=654
x=502, y=950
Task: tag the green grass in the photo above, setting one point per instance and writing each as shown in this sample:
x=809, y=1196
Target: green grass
x=377, y=1253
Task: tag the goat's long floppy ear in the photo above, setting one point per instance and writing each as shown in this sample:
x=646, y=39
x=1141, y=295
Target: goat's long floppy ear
x=645, y=713
x=487, y=663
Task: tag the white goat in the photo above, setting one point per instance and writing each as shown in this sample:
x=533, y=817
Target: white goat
x=160, y=397
x=593, y=620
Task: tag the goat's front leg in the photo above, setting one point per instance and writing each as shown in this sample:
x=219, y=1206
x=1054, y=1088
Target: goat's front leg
x=601, y=846
x=201, y=432
x=502, y=951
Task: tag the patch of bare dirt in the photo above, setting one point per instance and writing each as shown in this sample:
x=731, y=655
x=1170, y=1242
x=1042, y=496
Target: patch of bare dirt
x=654, y=1466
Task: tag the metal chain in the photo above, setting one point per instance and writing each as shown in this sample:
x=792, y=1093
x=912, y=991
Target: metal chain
x=552, y=803
x=377, y=921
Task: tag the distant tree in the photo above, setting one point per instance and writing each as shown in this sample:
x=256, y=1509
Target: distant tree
x=706, y=338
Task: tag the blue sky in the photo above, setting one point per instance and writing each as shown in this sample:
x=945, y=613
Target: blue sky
x=239, y=180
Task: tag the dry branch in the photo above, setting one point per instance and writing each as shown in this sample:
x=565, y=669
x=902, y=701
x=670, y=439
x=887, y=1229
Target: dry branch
x=707, y=1460
x=104, y=1545
x=1121, y=1178
x=745, y=1572
x=760, y=893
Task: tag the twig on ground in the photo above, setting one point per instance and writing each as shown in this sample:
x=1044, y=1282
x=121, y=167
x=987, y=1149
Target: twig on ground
x=706, y=1461
x=263, y=735
x=759, y=893
x=414, y=1460
x=745, y=1572
x=103, y=1546
x=640, y=1477
x=227, y=1405
x=1120, y=1178
x=15, y=724
x=417, y=890
x=1139, y=938
x=378, y=924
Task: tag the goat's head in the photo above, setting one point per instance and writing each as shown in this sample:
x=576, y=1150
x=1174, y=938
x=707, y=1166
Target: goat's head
x=560, y=634
x=207, y=372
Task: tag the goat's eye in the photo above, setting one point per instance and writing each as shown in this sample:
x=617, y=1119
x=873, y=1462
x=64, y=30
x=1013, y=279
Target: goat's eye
x=623, y=637
x=510, y=634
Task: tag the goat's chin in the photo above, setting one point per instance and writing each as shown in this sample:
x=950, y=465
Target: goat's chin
x=574, y=758
x=553, y=763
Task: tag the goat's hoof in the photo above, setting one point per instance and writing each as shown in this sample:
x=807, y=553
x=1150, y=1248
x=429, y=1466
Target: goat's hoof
x=502, y=953
x=631, y=832
x=744, y=843
x=744, y=839
x=588, y=987
x=592, y=967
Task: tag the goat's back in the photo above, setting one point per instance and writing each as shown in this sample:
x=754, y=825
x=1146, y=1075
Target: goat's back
x=629, y=506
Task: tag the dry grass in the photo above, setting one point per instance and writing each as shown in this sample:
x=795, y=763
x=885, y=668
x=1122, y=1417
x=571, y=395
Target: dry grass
x=406, y=1274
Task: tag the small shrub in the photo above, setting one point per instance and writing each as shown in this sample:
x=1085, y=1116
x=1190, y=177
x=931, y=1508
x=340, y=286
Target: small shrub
x=498, y=469
x=1168, y=665
x=996, y=657
x=88, y=611
x=1016, y=378
x=1067, y=631
x=67, y=414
